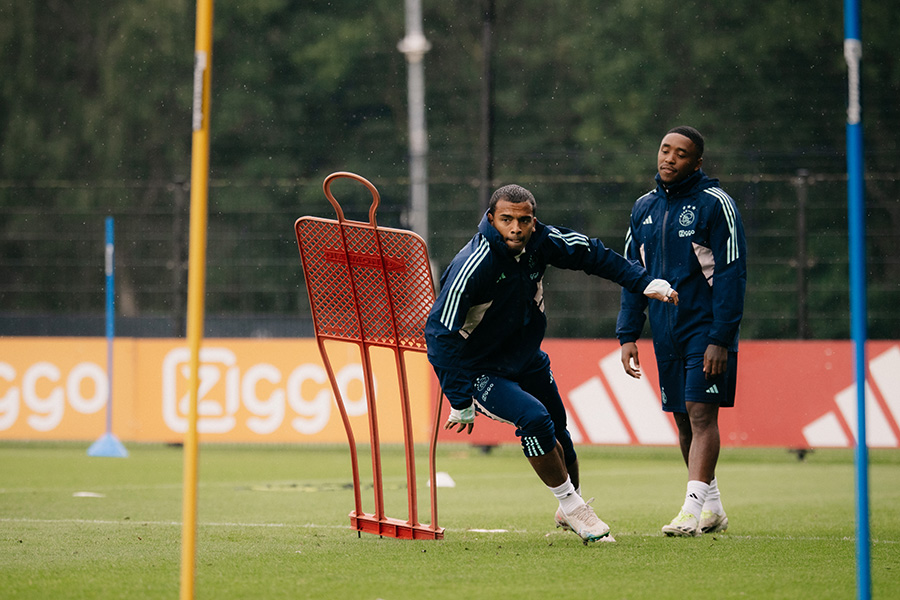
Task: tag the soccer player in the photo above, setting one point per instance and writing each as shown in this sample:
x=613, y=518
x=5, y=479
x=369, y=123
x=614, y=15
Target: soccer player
x=484, y=336
x=689, y=231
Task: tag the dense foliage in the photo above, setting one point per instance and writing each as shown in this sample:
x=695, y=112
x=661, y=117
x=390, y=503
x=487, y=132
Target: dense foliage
x=95, y=120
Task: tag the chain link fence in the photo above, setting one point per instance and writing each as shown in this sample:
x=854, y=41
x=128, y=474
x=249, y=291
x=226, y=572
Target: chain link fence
x=52, y=260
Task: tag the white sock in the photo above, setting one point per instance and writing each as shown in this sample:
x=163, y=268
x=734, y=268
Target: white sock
x=569, y=500
x=695, y=497
x=713, y=498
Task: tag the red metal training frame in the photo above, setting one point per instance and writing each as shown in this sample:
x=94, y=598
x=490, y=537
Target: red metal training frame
x=372, y=286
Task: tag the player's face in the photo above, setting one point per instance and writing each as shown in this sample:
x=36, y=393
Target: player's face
x=515, y=222
x=677, y=158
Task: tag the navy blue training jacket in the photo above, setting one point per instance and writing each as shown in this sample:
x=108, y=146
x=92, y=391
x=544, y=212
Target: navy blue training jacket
x=691, y=235
x=489, y=315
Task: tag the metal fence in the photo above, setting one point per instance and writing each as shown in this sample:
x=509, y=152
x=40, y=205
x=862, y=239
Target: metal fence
x=52, y=252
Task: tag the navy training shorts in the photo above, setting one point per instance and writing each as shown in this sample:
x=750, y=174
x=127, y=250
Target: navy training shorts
x=682, y=380
x=529, y=401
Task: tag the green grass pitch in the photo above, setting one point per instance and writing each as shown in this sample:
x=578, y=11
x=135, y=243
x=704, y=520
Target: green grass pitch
x=273, y=524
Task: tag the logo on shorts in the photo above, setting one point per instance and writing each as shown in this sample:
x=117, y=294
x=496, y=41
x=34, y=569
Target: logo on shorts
x=664, y=399
x=481, y=382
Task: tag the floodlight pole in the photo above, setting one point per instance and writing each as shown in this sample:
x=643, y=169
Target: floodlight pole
x=414, y=46
x=196, y=284
x=858, y=313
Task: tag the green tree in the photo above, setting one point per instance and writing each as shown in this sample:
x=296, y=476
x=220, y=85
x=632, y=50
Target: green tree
x=95, y=104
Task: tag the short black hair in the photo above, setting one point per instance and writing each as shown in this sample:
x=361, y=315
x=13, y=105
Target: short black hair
x=515, y=194
x=691, y=134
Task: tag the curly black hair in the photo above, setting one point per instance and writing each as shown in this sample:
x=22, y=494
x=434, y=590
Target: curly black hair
x=515, y=194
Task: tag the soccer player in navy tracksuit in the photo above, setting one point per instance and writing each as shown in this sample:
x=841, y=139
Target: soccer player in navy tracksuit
x=484, y=337
x=689, y=231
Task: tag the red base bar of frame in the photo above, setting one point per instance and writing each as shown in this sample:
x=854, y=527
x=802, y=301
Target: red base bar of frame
x=394, y=528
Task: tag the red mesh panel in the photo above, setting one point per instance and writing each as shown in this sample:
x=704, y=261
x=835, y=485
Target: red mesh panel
x=382, y=289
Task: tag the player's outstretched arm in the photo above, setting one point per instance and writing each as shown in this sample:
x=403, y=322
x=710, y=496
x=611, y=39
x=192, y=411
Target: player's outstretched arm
x=659, y=289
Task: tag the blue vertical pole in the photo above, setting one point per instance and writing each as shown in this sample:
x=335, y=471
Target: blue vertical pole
x=110, y=316
x=858, y=314
x=108, y=444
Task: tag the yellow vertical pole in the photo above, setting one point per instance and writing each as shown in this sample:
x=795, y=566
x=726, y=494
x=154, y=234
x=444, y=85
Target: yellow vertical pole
x=196, y=284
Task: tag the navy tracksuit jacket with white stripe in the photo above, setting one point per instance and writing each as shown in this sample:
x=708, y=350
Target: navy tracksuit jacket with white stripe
x=692, y=236
x=489, y=314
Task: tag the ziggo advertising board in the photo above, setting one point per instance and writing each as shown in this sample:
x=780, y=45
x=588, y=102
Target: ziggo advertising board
x=796, y=394
x=249, y=390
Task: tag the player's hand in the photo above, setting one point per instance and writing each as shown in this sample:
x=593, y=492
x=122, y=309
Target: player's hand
x=630, y=359
x=715, y=361
x=461, y=417
x=660, y=289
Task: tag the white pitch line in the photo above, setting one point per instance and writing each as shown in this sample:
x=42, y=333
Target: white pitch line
x=167, y=523
x=130, y=487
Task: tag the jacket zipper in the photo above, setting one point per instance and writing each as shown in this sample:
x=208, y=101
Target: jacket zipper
x=667, y=308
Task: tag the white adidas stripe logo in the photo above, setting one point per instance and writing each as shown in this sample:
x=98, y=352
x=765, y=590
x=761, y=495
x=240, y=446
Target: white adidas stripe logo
x=826, y=431
x=648, y=220
x=599, y=414
x=599, y=418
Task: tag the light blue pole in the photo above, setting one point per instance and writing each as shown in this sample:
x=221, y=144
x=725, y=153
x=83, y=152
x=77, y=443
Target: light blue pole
x=108, y=444
x=110, y=315
x=858, y=315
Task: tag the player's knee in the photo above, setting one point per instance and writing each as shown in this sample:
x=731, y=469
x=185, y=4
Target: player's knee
x=702, y=416
x=538, y=437
x=538, y=445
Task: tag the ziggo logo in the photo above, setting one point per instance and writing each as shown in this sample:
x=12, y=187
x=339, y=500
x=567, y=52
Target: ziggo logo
x=218, y=405
x=48, y=409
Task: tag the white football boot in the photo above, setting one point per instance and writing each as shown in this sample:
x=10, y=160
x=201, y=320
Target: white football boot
x=584, y=522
